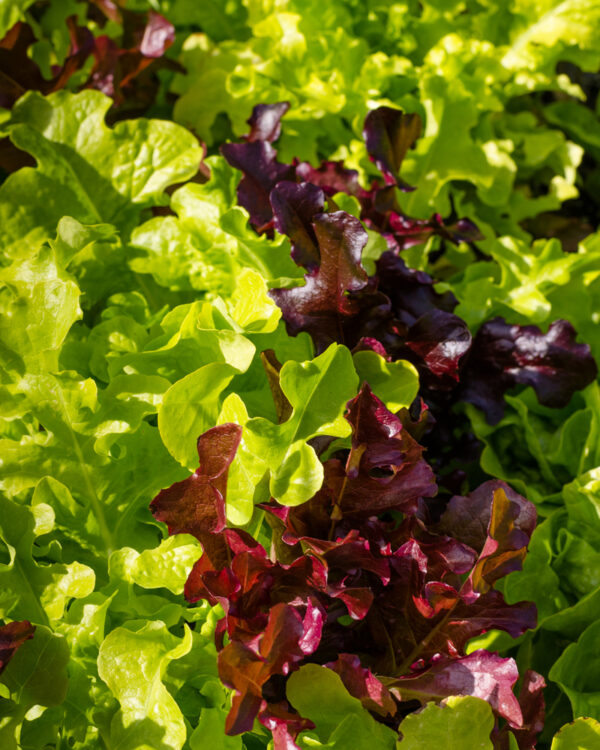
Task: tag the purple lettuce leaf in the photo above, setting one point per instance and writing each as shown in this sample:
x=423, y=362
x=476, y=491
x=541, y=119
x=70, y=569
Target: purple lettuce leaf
x=320, y=306
x=362, y=684
x=246, y=668
x=331, y=176
x=410, y=291
x=439, y=340
x=385, y=469
x=388, y=134
x=481, y=674
x=533, y=707
x=502, y=547
x=505, y=355
x=197, y=505
x=265, y=122
x=13, y=636
x=283, y=724
x=258, y=162
x=488, y=612
x=295, y=206
x=469, y=516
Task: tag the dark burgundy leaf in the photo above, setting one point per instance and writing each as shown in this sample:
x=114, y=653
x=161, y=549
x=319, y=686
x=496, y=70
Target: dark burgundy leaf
x=385, y=469
x=411, y=292
x=197, y=505
x=509, y=531
x=533, y=707
x=265, y=121
x=504, y=356
x=258, y=161
x=247, y=669
x=362, y=684
x=439, y=339
x=284, y=725
x=12, y=636
x=295, y=207
x=320, y=306
x=331, y=176
x=469, y=517
x=488, y=612
x=388, y=134
x=481, y=674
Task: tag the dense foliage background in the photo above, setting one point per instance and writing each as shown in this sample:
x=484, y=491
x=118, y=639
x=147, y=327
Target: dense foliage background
x=377, y=302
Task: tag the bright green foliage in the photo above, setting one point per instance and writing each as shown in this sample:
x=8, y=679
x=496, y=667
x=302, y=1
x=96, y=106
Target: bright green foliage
x=340, y=719
x=317, y=391
x=123, y=336
x=395, y=383
x=39, y=304
x=27, y=587
x=132, y=663
x=82, y=456
x=582, y=734
x=464, y=723
x=167, y=565
x=85, y=169
x=457, y=64
x=12, y=11
x=209, y=242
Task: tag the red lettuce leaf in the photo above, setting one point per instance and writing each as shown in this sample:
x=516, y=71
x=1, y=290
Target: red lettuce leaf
x=258, y=162
x=247, y=668
x=481, y=674
x=197, y=505
x=265, y=122
x=12, y=636
x=504, y=356
x=331, y=176
x=388, y=134
x=320, y=306
x=295, y=206
x=440, y=340
x=362, y=684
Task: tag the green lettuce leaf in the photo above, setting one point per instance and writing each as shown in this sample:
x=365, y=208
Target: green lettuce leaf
x=132, y=662
x=318, y=694
x=461, y=722
x=583, y=734
x=85, y=169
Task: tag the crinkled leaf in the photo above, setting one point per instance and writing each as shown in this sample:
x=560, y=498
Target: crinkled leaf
x=132, y=662
x=583, y=733
x=321, y=305
x=389, y=133
x=85, y=169
x=30, y=589
x=295, y=206
x=504, y=356
x=319, y=694
x=197, y=505
x=464, y=723
x=481, y=674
